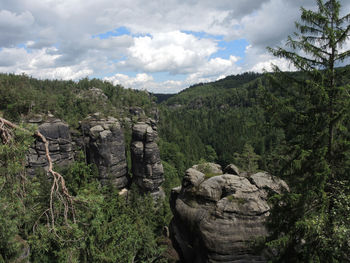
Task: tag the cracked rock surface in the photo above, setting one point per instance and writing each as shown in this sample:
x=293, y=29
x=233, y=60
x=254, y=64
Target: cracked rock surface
x=146, y=164
x=105, y=147
x=60, y=144
x=217, y=216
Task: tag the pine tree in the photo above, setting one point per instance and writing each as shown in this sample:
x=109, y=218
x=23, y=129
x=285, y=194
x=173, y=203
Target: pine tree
x=310, y=224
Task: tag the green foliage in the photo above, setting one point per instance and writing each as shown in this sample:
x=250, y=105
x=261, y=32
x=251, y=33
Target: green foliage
x=205, y=168
x=21, y=95
x=248, y=159
x=108, y=228
x=215, y=120
x=171, y=176
x=12, y=212
x=308, y=224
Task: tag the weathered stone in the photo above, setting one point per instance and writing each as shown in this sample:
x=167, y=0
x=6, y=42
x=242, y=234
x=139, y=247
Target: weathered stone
x=105, y=134
x=216, y=218
x=60, y=145
x=139, y=131
x=137, y=111
x=211, y=189
x=192, y=178
x=231, y=169
x=208, y=168
x=96, y=129
x=146, y=164
x=266, y=181
x=105, y=147
x=37, y=118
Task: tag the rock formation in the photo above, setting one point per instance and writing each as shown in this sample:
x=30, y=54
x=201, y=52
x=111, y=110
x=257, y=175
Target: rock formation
x=103, y=142
x=105, y=146
x=146, y=164
x=60, y=144
x=217, y=216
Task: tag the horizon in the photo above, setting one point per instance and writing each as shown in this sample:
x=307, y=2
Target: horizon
x=161, y=47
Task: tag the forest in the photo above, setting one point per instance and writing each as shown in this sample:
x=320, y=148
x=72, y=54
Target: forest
x=295, y=125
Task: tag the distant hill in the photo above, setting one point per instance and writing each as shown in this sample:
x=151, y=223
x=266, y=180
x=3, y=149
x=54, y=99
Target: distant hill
x=206, y=91
x=219, y=118
x=162, y=96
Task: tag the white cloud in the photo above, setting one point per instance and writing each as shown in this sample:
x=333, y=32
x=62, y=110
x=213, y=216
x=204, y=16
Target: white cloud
x=213, y=69
x=58, y=37
x=144, y=81
x=40, y=64
x=175, y=52
x=14, y=28
x=130, y=82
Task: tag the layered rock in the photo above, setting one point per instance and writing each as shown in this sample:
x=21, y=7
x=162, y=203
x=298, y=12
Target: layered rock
x=146, y=164
x=218, y=216
x=60, y=144
x=105, y=147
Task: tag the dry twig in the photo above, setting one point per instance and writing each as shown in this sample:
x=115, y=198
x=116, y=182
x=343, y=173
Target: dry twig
x=58, y=188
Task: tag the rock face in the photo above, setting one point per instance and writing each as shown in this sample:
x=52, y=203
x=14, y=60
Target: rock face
x=216, y=217
x=105, y=146
x=60, y=144
x=146, y=164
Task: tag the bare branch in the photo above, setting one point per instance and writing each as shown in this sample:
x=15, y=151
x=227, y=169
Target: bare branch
x=58, y=189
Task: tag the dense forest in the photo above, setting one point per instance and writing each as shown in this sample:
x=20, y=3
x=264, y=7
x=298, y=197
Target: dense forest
x=295, y=125
x=105, y=227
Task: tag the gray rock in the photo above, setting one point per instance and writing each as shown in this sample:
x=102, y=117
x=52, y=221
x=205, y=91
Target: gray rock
x=192, y=178
x=216, y=218
x=136, y=111
x=139, y=131
x=96, y=129
x=105, y=134
x=231, y=169
x=58, y=136
x=209, y=168
x=105, y=147
x=146, y=164
x=264, y=180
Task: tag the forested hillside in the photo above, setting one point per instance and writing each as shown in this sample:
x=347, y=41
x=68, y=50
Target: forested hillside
x=46, y=219
x=226, y=121
x=223, y=121
x=216, y=122
x=293, y=125
x=71, y=101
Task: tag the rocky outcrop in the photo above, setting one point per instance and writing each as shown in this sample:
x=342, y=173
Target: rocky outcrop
x=218, y=216
x=60, y=144
x=146, y=164
x=105, y=147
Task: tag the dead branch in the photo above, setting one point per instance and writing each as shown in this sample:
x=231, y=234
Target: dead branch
x=59, y=190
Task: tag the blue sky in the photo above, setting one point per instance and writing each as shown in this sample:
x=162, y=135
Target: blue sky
x=225, y=49
x=161, y=46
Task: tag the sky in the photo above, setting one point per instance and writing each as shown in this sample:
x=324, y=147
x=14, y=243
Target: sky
x=162, y=46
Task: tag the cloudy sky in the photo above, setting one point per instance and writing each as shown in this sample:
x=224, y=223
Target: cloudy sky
x=158, y=45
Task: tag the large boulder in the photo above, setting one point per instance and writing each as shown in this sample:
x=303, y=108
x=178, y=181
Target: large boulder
x=217, y=217
x=58, y=136
x=103, y=141
x=146, y=164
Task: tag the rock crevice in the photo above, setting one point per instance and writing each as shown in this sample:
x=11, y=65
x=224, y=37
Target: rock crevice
x=147, y=167
x=60, y=144
x=105, y=147
x=217, y=216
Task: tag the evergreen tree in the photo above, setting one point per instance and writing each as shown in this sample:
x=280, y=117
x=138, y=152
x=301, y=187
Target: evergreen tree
x=248, y=159
x=309, y=223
